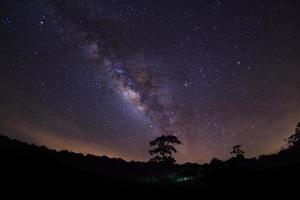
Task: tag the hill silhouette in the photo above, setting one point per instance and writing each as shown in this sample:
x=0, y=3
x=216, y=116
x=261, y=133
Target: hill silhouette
x=31, y=171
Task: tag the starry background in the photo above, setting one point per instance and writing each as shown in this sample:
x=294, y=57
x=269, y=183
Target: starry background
x=106, y=76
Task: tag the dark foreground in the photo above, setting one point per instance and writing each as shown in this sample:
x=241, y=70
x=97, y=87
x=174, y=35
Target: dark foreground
x=31, y=172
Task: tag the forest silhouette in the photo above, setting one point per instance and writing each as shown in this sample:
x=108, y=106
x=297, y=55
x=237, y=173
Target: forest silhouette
x=31, y=170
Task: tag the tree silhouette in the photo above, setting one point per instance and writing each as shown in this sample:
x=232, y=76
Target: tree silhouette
x=163, y=151
x=294, y=140
x=236, y=150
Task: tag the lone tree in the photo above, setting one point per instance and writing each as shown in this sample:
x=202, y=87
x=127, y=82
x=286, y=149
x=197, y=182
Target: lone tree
x=294, y=140
x=236, y=150
x=162, y=153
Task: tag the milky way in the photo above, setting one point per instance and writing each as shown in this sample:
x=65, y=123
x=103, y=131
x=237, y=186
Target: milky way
x=134, y=79
x=106, y=77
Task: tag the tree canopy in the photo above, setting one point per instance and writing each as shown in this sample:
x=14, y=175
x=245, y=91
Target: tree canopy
x=164, y=149
x=294, y=140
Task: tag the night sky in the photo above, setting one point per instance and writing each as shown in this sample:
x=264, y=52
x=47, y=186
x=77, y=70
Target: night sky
x=105, y=76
